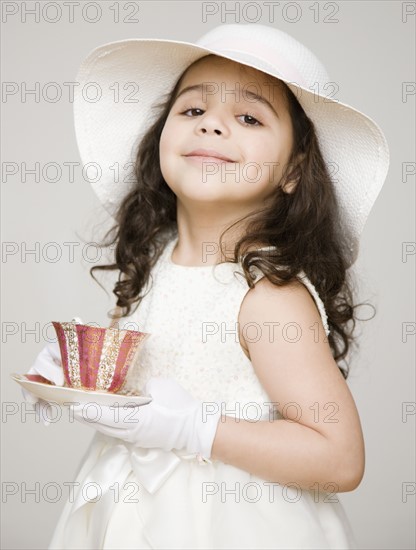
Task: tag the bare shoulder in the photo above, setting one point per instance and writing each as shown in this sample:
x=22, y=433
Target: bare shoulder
x=291, y=356
x=289, y=308
x=264, y=290
x=292, y=359
x=287, y=345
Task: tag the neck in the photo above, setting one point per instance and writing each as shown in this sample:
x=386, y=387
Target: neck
x=199, y=234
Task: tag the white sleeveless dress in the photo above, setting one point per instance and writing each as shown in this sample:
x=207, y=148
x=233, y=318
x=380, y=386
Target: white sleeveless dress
x=147, y=498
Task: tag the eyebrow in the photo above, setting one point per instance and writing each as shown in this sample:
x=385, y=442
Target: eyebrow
x=201, y=87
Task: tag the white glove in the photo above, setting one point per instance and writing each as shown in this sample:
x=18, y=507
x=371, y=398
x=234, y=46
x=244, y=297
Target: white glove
x=173, y=420
x=49, y=365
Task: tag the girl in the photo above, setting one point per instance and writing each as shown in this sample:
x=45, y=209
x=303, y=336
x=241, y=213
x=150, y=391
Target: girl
x=252, y=430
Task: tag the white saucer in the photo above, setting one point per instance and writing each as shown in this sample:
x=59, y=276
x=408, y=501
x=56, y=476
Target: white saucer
x=62, y=395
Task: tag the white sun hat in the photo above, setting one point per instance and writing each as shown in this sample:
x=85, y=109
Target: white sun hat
x=119, y=82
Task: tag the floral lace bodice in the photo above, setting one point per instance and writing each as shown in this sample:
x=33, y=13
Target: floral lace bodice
x=191, y=314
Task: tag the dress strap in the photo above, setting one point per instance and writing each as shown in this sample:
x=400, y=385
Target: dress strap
x=258, y=274
x=319, y=303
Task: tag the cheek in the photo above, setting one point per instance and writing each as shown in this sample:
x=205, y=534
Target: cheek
x=166, y=154
x=164, y=145
x=163, y=140
x=268, y=157
x=168, y=137
x=274, y=153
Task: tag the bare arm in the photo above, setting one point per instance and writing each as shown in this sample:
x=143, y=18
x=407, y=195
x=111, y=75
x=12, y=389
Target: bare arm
x=320, y=438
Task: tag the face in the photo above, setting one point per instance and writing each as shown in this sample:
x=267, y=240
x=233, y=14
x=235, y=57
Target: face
x=235, y=112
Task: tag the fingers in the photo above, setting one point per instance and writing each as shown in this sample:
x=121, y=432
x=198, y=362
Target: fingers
x=46, y=366
x=118, y=422
x=168, y=392
x=102, y=428
x=54, y=350
x=115, y=417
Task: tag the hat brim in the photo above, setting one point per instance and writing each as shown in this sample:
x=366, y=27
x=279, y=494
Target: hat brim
x=131, y=75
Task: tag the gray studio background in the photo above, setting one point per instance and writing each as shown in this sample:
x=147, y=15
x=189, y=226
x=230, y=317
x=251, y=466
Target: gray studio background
x=369, y=53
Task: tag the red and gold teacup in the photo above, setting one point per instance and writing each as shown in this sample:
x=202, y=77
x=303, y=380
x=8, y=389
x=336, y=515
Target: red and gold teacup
x=95, y=358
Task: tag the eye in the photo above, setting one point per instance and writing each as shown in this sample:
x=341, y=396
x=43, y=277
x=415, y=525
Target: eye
x=251, y=119
x=190, y=109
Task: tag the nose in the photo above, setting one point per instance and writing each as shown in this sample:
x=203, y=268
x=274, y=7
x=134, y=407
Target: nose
x=211, y=123
x=216, y=131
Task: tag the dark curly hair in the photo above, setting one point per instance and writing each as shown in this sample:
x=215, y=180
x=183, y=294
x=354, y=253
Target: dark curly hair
x=302, y=225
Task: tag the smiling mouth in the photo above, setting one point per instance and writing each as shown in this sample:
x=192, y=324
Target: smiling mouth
x=211, y=155
x=202, y=158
